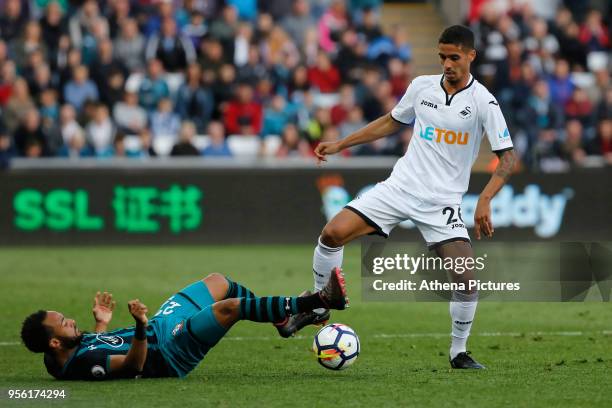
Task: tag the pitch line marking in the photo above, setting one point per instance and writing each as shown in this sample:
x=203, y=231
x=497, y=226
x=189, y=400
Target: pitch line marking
x=413, y=335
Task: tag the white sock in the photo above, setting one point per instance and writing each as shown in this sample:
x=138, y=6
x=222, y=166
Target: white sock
x=462, y=310
x=324, y=260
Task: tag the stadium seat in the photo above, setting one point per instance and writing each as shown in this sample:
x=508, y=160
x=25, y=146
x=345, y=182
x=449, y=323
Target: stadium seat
x=201, y=142
x=271, y=143
x=163, y=144
x=325, y=100
x=244, y=146
x=132, y=143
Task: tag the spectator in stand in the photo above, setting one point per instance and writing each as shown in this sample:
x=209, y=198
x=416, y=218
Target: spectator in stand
x=211, y=55
x=278, y=115
x=340, y=111
x=334, y=21
x=604, y=109
x=4, y=56
x=193, y=101
x=41, y=81
x=153, y=87
x=254, y=70
x=539, y=113
x=560, y=84
x=49, y=106
x=80, y=88
x=100, y=132
x=34, y=60
x=117, y=12
x=223, y=89
x=17, y=106
x=399, y=77
x=396, y=46
x=185, y=146
x=354, y=121
x=53, y=25
x=113, y=90
x=129, y=46
x=292, y=144
x=119, y=149
x=541, y=46
x=317, y=125
x=7, y=152
x=570, y=46
x=298, y=22
x=573, y=146
x=29, y=138
x=224, y=29
x=164, y=121
x=31, y=41
x=67, y=65
x=369, y=27
x=76, y=147
x=73, y=135
x=174, y=50
x=243, y=115
x=7, y=81
x=352, y=56
x=603, y=141
x=105, y=64
x=130, y=117
x=82, y=26
x=12, y=20
x=218, y=146
x=594, y=34
x=146, y=144
x=278, y=10
x=247, y=9
x=196, y=29
x=579, y=107
x=324, y=75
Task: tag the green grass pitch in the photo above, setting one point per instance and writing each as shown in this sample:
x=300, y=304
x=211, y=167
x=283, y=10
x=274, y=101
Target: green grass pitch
x=538, y=354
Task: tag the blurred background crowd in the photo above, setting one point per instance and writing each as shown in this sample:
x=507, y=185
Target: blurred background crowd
x=143, y=78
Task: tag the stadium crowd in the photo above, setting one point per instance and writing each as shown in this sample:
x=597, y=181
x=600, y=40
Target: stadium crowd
x=141, y=78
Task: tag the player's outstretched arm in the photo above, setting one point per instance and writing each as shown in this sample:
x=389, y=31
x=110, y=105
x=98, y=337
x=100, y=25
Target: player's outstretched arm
x=103, y=306
x=134, y=360
x=482, y=216
x=381, y=127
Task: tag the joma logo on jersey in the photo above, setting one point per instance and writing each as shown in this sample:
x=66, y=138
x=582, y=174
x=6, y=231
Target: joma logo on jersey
x=430, y=104
x=444, y=135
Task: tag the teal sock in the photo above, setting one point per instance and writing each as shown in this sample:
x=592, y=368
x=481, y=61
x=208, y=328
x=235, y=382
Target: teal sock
x=236, y=290
x=276, y=308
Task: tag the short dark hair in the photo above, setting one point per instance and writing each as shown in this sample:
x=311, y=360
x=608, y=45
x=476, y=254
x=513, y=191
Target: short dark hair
x=457, y=35
x=35, y=334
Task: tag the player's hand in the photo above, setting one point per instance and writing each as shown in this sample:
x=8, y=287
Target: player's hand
x=482, y=219
x=138, y=311
x=325, y=148
x=103, y=306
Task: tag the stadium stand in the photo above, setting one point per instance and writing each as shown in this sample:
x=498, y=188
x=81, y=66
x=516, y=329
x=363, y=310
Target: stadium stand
x=120, y=77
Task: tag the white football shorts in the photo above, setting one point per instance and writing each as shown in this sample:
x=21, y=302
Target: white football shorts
x=384, y=206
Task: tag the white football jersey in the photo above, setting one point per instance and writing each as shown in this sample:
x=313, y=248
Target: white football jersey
x=448, y=130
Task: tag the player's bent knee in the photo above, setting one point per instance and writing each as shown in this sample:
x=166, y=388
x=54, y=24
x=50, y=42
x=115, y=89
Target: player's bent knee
x=333, y=236
x=217, y=285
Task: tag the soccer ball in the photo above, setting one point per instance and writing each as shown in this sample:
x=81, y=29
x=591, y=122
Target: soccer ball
x=336, y=346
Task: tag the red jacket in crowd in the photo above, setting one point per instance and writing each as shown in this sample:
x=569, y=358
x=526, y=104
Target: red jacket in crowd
x=238, y=115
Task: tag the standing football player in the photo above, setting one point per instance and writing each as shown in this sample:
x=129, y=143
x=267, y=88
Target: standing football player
x=451, y=113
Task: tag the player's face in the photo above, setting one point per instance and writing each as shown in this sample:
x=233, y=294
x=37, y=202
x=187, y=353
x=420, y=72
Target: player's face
x=63, y=327
x=455, y=61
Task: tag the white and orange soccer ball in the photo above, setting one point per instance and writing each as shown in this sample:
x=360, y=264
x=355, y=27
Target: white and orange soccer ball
x=336, y=346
